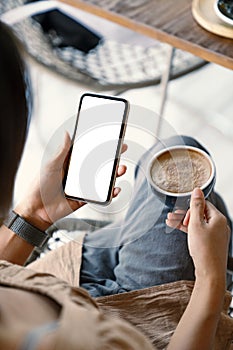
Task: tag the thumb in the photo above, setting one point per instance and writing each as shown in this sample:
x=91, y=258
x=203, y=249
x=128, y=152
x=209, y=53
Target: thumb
x=61, y=155
x=197, y=206
x=64, y=148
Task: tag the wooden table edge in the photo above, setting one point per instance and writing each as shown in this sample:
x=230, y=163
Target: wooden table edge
x=157, y=34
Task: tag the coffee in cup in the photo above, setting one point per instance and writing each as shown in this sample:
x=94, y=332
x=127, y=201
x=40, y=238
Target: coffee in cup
x=175, y=171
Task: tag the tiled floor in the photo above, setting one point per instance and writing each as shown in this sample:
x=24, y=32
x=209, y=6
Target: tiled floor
x=199, y=104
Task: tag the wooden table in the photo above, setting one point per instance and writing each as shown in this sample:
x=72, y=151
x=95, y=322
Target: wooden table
x=169, y=21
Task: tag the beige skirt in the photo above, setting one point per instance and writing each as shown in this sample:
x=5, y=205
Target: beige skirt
x=155, y=311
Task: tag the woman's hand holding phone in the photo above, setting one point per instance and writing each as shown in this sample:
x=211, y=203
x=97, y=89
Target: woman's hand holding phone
x=46, y=202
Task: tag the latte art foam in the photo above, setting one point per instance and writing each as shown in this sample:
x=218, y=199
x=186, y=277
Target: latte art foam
x=180, y=170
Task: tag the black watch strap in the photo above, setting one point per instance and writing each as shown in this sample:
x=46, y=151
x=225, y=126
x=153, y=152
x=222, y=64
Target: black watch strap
x=23, y=229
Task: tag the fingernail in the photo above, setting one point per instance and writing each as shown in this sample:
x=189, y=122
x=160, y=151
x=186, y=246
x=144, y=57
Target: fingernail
x=66, y=138
x=197, y=193
x=118, y=190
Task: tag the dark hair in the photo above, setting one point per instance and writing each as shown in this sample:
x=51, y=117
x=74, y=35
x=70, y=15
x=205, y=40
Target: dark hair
x=14, y=113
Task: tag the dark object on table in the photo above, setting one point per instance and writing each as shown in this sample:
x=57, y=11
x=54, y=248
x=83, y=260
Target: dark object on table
x=64, y=31
x=226, y=8
x=111, y=65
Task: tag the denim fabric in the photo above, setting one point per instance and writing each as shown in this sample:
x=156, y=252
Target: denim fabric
x=141, y=251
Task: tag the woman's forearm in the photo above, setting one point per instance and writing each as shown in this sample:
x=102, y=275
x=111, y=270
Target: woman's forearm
x=13, y=248
x=197, y=327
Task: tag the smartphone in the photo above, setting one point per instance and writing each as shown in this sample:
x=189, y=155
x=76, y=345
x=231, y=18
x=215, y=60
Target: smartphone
x=96, y=147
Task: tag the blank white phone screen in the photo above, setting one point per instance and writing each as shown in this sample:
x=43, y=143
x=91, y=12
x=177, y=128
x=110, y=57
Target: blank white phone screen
x=95, y=148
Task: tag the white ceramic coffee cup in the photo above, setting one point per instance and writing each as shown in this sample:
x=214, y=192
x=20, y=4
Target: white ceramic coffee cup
x=176, y=198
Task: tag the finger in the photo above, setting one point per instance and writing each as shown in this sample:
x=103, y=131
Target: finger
x=180, y=211
x=175, y=220
x=212, y=214
x=59, y=160
x=65, y=146
x=197, y=206
x=186, y=218
x=63, y=149
x=176, y=225
x=173, y=223
x=124, y=148
x=121, y=170
x=175, y=216
x=116, y=191
x=74, y=205
x=210, y=211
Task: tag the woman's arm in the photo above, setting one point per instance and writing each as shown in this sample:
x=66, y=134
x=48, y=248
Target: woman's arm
x=197, y=327
x=44, y=204
x=208, y=239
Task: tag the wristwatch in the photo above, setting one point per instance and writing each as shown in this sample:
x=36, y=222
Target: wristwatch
x=23, y=229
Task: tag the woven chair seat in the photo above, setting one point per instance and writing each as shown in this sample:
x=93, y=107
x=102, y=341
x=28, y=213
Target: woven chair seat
x=111, y=65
